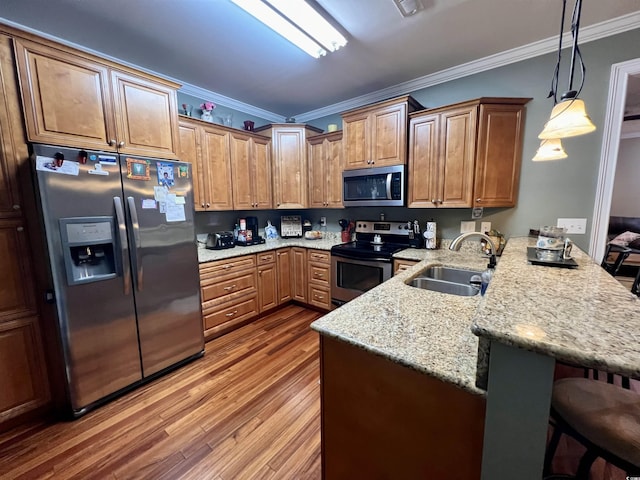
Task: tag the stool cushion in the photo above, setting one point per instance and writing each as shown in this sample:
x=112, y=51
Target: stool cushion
x=605, y=414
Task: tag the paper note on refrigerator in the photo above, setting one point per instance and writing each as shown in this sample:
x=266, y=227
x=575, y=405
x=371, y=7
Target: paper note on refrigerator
x=48, y=164
x=175, y=213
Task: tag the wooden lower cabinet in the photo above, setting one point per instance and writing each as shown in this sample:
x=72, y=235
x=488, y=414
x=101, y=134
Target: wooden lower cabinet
x=22, y=372
x=319, y=279
x=285, y=268
x=298, y=277
x=400, y=265
x=229, y=294
x=383, y=420
x=267, y=281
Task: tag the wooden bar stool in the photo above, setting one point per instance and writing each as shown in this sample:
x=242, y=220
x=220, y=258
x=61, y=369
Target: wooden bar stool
x=604, y=417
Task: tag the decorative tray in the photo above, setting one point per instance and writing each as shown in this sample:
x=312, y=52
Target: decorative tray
x=531, y=256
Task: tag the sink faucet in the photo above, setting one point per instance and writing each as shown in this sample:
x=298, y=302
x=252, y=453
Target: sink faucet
x=457, y=242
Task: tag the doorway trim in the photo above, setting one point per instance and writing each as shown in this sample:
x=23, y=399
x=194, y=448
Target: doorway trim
x=609, y=155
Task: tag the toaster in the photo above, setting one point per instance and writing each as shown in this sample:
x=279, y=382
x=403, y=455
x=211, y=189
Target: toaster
x=220, y=240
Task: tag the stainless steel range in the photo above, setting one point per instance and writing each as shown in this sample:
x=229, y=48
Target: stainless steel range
x=368, y=261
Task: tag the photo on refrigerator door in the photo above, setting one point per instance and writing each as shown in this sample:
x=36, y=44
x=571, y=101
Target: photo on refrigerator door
x=165, y=174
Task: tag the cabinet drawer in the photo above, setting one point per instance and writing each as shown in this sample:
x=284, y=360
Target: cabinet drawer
x=242, y=282
x=402, y=265
x=319, y=296
x=221, y=267
x=243, y=308
x=319, y=274
x=319, y=256
x=266, y=257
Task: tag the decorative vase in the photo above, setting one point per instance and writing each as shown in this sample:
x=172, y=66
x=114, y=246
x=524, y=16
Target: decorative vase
x=206, y=116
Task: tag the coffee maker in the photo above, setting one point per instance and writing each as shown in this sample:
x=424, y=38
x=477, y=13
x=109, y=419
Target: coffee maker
x=248, y=232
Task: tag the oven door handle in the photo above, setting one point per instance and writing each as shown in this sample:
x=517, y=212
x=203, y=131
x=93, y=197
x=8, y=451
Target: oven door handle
x=367, y=259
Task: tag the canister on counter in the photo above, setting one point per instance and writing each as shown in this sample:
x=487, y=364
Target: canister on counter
x=429, y=235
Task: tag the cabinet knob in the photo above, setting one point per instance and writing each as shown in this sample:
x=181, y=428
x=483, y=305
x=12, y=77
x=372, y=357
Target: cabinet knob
x=439, y=200
x=16, y=207
x=433, y=200
x=278, y=204
x=478, y=200
x=20, y=229
x=111, y=142
x=120, y=144
x=202, y=205
x=208, y=205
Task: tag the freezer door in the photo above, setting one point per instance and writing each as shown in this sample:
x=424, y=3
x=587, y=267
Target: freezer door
x=96, y=315
x=164, y=260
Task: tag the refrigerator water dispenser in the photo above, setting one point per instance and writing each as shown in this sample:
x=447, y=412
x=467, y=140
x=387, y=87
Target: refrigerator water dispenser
x=89, y=250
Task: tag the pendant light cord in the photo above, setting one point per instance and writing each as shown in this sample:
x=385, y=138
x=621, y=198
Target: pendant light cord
x=554, y=80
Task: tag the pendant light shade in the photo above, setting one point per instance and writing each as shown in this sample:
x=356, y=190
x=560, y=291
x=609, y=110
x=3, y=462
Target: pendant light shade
x=550, y=149
x=568, y=119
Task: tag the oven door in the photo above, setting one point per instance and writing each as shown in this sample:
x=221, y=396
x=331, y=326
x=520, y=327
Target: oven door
x=352, y=277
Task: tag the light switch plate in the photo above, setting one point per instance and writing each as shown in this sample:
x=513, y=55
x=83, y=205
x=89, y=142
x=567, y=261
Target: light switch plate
x=573, y=225
x=485, y=227
x=467, y=227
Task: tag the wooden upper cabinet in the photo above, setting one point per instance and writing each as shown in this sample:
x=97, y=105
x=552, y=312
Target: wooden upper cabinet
x=13, y=149
x=216, y=158
x=376, y=135
x=325, y=170
x=251, y=171
x=146, y=116
x=499, y=155
x=189, y=151
x=289, y=157
x=466, y=155
x=72, y=99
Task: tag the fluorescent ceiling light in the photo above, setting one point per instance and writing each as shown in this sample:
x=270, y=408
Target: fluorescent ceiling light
x=298, y=22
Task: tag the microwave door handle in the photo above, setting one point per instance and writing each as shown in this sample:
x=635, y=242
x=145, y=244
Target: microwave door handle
x=124, y=245
x=389, y=177
x=135, y=228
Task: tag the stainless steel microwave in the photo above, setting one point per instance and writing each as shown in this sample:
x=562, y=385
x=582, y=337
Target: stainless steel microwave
x=374, y=187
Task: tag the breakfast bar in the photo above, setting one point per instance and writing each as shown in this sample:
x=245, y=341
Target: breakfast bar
x=501, y=347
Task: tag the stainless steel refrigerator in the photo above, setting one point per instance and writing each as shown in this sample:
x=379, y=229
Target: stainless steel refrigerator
x=124, y=268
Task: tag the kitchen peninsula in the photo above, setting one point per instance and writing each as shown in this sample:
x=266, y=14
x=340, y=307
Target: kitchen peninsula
x=530, y=317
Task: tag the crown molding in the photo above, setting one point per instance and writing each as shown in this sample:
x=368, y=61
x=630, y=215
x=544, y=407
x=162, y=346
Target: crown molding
x=587, y=34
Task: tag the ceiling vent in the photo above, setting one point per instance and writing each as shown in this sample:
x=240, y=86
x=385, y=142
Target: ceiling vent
x=408, y=8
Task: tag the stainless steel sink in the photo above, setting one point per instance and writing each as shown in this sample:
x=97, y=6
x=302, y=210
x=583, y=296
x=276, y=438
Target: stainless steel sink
x=449, y=274
x=454, y=281
x=441, y=286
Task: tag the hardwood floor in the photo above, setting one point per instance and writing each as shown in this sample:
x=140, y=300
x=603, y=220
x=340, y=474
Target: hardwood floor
x=249, y=409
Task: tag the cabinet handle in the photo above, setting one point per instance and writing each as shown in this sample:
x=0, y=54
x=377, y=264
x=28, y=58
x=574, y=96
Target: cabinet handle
x=231, y=314
x=478, y=200
x=111, y=142
x=120, y=144
x=227, y=266
x=319, y=297
x=439, y=200
x=208, y=205
x=202, y=204
x=230, y=287
x=20, y=229
x=319, y=275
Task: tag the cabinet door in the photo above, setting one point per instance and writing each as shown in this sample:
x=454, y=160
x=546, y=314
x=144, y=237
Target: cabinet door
x=22, y=375
x=267, y=287
x=389, y=135
x=299, y=274
x=16, y=292
x=262, y=179
x=190, y=152
x=215, y=154
x=423, y=161
x=317, y=177
x=284, y=275
x=334, y=174
x=356, y=141
x=66, y=98
x=457, y=152
x=146, y=116
x=290, y=167
x=499, y=155
x=13, y=149
x=241, y=171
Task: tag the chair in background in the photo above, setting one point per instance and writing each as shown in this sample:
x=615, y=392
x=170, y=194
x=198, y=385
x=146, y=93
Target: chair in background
x=603, y=417
x=620, y=248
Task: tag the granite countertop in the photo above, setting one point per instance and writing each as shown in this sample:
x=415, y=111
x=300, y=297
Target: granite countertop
x=581, y=316
x=325, y=243
x=424, y=330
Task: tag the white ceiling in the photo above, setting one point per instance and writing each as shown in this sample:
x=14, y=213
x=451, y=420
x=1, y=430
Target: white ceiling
x=214, y=45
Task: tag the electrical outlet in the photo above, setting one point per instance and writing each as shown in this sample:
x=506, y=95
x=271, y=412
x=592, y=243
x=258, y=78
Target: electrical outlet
x=467, y=227
x=573, y=225
x=485, y=227
x=323, y=221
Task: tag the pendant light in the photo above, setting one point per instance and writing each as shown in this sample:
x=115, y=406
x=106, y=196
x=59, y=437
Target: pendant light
x=550, y=149
x=568, y=117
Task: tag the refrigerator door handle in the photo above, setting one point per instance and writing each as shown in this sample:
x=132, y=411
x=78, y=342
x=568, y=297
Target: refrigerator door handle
x=124, y=245
x=135, y=228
